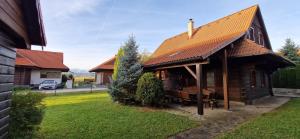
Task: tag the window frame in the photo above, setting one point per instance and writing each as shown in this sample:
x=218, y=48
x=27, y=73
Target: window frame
x=253, y=34
x=46, y=74
x=253, y=79
x=261, y=40
x=213, y=83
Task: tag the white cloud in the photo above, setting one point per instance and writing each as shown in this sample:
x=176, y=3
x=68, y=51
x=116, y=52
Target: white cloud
x=68, y=8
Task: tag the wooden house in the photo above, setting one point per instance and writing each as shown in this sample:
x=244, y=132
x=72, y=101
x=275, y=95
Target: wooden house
x=231, y=57
x=21, y=26
x=33, y=67
x=104, y=71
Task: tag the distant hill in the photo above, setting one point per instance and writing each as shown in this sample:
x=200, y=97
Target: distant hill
x=81, y=73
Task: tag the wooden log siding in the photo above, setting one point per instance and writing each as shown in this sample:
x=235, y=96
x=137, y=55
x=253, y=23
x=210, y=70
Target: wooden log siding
x=7, y=63
x=11, y=15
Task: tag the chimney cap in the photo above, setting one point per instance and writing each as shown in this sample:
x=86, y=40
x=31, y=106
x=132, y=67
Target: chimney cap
x=191, y=19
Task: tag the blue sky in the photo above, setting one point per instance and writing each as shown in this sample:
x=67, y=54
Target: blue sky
x=91, y=31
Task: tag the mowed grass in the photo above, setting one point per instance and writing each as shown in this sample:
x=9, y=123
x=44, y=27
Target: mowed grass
x=96, y=116
x=282, y=123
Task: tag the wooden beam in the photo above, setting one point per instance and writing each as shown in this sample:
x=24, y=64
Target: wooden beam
x=270, y=84
x=182, y=65
x=225, y=80
x=199, y=75
x=190, y=71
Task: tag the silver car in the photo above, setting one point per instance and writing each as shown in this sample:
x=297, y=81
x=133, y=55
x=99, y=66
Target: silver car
x=48, y=84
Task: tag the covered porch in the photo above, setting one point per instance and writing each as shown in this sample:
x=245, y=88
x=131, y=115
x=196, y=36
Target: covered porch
x=204, y=82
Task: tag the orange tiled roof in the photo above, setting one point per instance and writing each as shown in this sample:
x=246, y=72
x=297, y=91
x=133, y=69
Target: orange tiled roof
x=212, y=37
x=107, y=65
x=248, y=48
x=40, y=59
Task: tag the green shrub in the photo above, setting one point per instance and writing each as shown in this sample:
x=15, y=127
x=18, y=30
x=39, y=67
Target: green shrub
x=64, y=78
x=150, y=90
x=21, y=88
x=26, y=114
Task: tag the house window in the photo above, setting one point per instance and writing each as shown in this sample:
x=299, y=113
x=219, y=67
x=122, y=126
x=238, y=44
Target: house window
x=163, y=75
x=157, y=74
x=261, y=39
x=47, y=74
x=251, y=34
x=210, y=78
x=253, y=79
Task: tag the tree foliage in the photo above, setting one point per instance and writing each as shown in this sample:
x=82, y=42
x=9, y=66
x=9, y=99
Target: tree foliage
x=128, y=72
x=150, y=90
x=290, y=50
x=64, y=78
x=117, y=62
x=144, y=56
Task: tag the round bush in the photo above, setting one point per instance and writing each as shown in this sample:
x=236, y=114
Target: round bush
x=150, y=90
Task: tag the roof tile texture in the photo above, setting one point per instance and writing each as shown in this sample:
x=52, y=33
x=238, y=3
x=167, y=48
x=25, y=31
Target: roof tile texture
x=107, y=65
x=205, y=39
x=40, y=59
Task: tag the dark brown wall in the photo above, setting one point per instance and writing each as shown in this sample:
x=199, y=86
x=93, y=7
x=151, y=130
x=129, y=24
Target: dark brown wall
x=250, y=93
x=11, y=15
x=22, y=76
x=234, y=86
x=7, y=63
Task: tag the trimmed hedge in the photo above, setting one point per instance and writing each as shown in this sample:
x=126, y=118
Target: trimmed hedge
x=150, y=90
x=287, y=78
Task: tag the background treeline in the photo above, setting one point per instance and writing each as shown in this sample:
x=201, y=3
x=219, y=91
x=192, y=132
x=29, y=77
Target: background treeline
x=288, y=77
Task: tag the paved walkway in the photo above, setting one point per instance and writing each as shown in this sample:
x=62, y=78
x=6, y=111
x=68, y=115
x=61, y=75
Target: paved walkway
x=286, y=92
x=72, y=90
x=217, y=121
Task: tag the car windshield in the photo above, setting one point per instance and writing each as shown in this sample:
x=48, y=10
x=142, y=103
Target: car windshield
x=48, y=82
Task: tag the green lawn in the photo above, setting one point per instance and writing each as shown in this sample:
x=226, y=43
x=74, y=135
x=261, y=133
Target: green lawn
x=283, y=123
x=95, y=116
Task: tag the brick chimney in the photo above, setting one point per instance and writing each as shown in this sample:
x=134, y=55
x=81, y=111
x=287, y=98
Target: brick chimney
x=190, y=28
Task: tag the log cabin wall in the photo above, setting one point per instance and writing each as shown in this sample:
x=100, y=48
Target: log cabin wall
x=234, y=86
x=11, y=15
x=7, y=68
x=254, y=83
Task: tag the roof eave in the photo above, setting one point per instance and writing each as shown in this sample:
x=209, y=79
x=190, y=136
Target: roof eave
x=34, y=21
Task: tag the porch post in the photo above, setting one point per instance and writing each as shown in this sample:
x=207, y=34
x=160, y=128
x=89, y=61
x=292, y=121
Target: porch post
x=199, y=75
x=225, y=80
x=270, y=84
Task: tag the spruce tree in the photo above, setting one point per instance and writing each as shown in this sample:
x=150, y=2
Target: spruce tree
x=127, y=73
x=129, y=68
x=289, y=50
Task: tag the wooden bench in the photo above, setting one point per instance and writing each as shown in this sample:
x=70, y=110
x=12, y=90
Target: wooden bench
x=189, y=94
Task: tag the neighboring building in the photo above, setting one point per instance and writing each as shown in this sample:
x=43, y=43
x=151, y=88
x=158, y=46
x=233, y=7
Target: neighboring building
x=232, y=56
x=21, y=26
x=33, y=67
x=104, y=71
